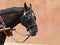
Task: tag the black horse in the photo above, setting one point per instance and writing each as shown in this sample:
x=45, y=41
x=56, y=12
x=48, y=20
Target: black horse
x=15, y=15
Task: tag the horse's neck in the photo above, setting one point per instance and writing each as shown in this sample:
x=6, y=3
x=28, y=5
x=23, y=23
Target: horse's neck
x=11, y=15
x=12, y=19
x=16, y=20
x=11, y=10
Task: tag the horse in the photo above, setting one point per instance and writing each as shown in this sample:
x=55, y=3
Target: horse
x=15, y=15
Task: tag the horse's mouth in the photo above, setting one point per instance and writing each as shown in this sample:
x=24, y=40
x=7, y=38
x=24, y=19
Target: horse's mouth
x=33, y=31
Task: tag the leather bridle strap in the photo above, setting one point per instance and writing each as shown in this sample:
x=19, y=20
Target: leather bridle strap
x=31, y=26
x=28, y=35
x=27, y=12
x=24, y=35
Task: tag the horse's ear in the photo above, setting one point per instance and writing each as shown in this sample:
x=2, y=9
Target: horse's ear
x=25, y=5
x=30, y=6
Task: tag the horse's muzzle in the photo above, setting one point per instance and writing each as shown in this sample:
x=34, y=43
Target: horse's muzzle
x=33, y=31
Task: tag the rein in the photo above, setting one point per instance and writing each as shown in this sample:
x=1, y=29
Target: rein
x=28, y=35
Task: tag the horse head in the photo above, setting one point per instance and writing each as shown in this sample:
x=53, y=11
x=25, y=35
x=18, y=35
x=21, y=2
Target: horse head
x=29, y=20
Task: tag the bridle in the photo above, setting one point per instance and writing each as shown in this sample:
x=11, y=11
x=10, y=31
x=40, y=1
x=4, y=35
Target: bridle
x=28, y=35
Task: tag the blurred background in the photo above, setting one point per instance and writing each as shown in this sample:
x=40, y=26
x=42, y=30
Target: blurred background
x=48, y=20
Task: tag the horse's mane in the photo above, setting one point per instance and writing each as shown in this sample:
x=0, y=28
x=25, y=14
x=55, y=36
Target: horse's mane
x=11, y=10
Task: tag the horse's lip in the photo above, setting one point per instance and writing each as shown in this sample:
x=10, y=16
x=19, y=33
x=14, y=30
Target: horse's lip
x=32, y=33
